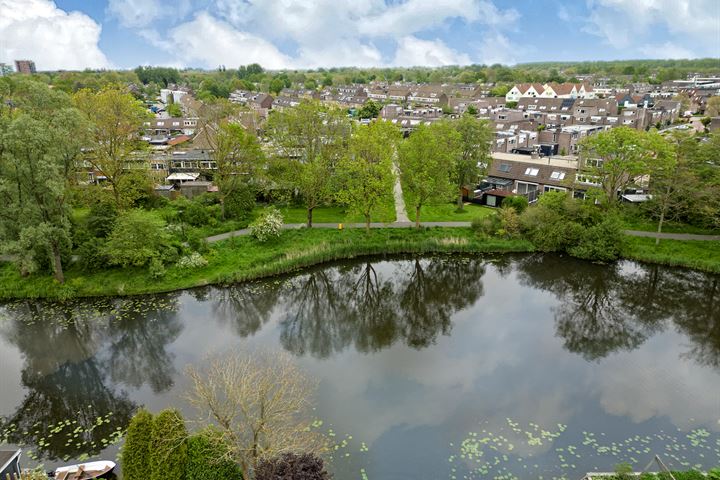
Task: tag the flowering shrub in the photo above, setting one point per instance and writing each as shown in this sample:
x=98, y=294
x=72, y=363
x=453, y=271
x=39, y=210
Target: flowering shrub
x=267, y=225
x=194, y=260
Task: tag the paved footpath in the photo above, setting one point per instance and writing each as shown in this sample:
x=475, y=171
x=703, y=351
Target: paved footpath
x=291, y=226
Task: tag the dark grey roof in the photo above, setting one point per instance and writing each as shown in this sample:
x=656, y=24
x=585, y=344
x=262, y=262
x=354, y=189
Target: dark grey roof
x=6, y=457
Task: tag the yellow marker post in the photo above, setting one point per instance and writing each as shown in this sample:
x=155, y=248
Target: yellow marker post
x=340, y=226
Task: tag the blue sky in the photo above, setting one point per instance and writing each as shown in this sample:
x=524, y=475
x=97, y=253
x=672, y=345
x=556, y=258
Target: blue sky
x=75, y=34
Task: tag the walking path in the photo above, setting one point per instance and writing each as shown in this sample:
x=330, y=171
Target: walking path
x=401, y=215
x=407, y=224
x=671, y=236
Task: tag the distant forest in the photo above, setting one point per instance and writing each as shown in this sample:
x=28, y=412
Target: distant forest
x=223, y=80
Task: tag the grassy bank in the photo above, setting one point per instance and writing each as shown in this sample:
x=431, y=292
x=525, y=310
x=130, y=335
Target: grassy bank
x=242, y=258
x=701, y=255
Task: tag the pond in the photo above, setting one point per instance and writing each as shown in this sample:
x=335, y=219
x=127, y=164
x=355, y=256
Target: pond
x=530, y=366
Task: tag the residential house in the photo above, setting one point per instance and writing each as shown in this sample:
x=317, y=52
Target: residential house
x=428, y=95
x=524, y=90
x=10, y=464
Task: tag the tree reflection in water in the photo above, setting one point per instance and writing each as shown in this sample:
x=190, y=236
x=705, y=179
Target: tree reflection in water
x=606, y=308
x=328, y=310
x=74, y=354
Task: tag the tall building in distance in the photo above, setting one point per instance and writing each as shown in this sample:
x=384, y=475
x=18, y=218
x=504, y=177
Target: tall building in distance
x=25, y=66
x=5, y=69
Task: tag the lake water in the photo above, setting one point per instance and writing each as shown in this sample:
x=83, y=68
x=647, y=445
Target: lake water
x=429, y=368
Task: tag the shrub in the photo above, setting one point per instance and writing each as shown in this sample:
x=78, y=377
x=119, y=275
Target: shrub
x=518, y=202
x=509, y=222
x=600, y=242
x=136, y=451
x=196, y=214
x=292, y=467
x=92, y=254
x=168, y=448
x=267, y=225
x=137, y=238
x=207, y=458
x=192, y=261
x=156, y=269
x=101, y=219
x=486, y=226
x=714, y=474
x=240, y=203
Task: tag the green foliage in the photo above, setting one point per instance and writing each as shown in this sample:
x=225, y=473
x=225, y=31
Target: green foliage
x=486, y=226
x=101, y=218
x=174, y=110
x=369, y=110
x=168, y=448
x=268, y=225
x=603, y=241
x=136, y=451
x=509, y=223
x=208, y=458
x=160, y=75
x=425, y=161
x=517, y=202
x=239, y=203
x=137, y=238
x=91, y=253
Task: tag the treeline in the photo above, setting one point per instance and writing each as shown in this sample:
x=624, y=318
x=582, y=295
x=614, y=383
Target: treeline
x=220, y=82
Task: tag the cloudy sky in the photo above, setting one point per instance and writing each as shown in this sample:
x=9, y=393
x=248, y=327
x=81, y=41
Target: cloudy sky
x=75, y=34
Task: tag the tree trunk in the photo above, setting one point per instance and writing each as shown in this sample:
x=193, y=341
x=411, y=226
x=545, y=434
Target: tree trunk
x=460, y=203
x=367, y=223
x=417, y=216
x=309, y=217
x=660, y=223
x=57, y=261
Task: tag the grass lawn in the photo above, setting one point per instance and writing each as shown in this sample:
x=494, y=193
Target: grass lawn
x=331, y=214
x=633, y=219
x=448, y=212
x=243, y=258
x=701, y=255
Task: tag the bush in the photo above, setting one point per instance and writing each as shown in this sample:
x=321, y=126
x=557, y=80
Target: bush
x=714, y=474
x=518, y=202
x=292, y=467
x=207, y=458
x=240, y=203
x=197, y=214
x=486, y=226
x=509, y=222
x=101, y=219
x=192, y=261
x=156, y=269
x=168, y=448
x=92, y=254
x=137, y=238
x=267, y=225
x=136, y=451
x=600, y=242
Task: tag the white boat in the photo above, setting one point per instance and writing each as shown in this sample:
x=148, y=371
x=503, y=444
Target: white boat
x=84, y=471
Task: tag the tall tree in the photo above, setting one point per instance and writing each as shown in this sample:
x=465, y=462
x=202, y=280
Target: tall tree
x=425, y=161
x=672, y=179
x=117, y=118
x=238, y=160
x=475, y=138
x=618, y=157
x=314, y=137
x=366, y=179
x=41, y=137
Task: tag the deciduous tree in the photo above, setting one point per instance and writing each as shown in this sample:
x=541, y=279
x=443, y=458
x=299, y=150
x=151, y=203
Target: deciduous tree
x=425, y=161
x=475, y=138
x=261, y=403
x=366, y=178
x=117, y=119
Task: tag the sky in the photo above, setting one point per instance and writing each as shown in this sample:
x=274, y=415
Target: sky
x=299, y=34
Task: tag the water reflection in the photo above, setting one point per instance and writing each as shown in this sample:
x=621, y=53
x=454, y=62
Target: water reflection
x=328, y=310
x=99, y=359
x=77, y=356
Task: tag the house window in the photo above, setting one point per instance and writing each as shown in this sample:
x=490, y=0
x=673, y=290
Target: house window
x=532, y=171
x=557, y=175
x=504, y=167
x=523, y=187
x=550, y=188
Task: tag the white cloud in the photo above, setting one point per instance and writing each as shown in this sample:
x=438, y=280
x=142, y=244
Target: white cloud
x=623, y=22
x=213, y=42
x=412, y=51
x=666, y=50
x=135, y=13
x=52, y=37
x=416, y=15
x=497, y=48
